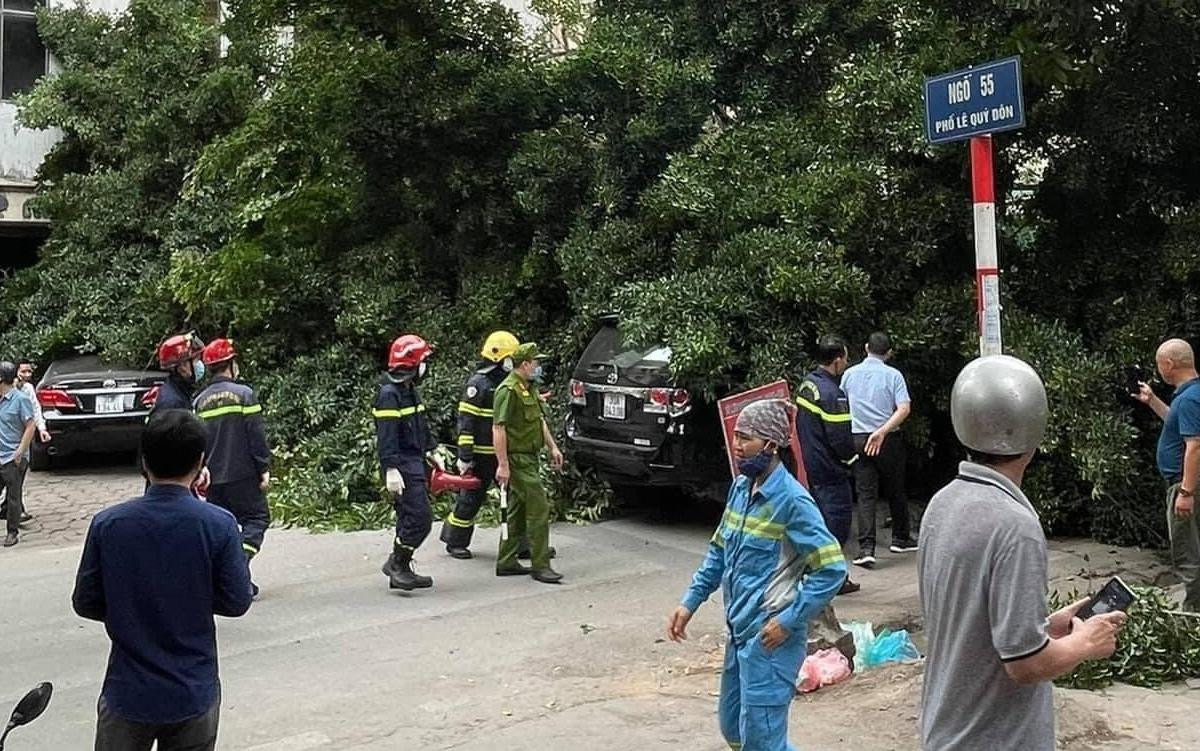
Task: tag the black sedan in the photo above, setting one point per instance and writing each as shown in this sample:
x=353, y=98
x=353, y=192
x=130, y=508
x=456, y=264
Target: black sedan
x=92, y=406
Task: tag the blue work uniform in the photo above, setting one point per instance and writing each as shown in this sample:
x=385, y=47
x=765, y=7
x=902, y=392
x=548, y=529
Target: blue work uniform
x=402, y=438
x=237, y=456
x=828, y=449
x=774, y=558
x=173, y=393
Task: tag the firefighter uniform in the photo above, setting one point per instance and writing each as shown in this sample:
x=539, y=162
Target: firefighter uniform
x=828, y=449
x=475, y=449
x=403, y=438
x=237, y=455
x=173, y=393
x=518, y=408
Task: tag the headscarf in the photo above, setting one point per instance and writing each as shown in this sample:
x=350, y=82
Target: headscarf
x=768, y=419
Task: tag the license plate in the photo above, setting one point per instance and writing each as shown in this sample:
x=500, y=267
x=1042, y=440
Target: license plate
x=614, y=406
x=110, y=405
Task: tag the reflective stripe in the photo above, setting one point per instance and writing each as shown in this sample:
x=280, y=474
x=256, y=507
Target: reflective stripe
x=734, y=745
x=466, y=440
x=826, y=555
x=826, y=416
x=753, y=525
x=454, y=521
x=249, y=548
x=717, y=539
x=233, y=409
x=471, y=409
x=395, y=414
x=486, y=450
x=401, y=544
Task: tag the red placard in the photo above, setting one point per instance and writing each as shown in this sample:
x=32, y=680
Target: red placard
x=731, y=406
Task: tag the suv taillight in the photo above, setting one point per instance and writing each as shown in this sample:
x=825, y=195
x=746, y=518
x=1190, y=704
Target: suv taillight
x=680, y=398
x=657, y=400
x=149, y=397
x=56, y=399
x=577, y=393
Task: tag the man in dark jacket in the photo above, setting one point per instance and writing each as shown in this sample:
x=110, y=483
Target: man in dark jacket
x=180, y=356
x=826, y=442
x=239, y=460
x=155, y=570
x=476, y=455
x=403, y=439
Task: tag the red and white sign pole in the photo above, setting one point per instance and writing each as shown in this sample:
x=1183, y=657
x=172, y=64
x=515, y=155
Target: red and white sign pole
x=987, y=260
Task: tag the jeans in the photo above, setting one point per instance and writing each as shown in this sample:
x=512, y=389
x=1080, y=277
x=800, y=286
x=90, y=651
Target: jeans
x=12, y=477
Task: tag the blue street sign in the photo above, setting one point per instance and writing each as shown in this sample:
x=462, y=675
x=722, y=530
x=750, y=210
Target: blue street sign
x=983, y=99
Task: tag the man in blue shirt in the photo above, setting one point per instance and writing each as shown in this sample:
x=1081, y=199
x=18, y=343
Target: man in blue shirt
x=1179, y=459
x=879, y=403
x=16, y=434
x=155, y=570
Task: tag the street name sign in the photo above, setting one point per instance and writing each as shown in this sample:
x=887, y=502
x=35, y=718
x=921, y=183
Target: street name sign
x=976, y=101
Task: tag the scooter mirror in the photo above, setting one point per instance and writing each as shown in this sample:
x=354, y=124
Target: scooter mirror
x=32, y=705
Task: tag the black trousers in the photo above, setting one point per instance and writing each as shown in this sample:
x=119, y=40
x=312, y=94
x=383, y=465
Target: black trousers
x=115, y=733
x=248, y=504
x=459, y=526
x=12, y=477
x=880, y=475
x=414, y=519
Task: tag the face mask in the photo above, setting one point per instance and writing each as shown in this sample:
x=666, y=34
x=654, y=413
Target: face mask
x=507, y=365
x=537, y=375
x=756, y=465
x=197, y=370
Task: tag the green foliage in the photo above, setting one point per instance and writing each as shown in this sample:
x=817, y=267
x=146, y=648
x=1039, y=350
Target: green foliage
x=1157, y=645
x=734, y=178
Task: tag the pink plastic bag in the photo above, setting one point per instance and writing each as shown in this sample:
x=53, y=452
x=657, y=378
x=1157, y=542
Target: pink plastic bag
x=824, y=668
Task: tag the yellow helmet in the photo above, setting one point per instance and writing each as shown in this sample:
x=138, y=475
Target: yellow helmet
x=499, y=345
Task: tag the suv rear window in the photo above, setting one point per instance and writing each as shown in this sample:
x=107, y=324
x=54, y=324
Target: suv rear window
x=607, y=349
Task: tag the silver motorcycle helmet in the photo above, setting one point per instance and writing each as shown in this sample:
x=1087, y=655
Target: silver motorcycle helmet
x=998, y=406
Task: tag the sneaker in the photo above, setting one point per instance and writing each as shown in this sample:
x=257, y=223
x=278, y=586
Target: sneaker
x=10, y=540
x=849, y=587
x=866, y=559
x=908, y=545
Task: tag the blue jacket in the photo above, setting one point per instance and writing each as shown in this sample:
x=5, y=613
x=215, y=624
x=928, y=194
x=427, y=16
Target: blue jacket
x=156, y=570
x=402, y=434
x=475, y=413
x=174, y=393
x=773, y=557
x=824, y=426
x=237, y=445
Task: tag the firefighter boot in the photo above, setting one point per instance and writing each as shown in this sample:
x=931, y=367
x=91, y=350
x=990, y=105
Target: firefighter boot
x=401, y=575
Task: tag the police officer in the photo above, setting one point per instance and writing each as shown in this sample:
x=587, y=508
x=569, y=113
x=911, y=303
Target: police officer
x=181, y=357
x=476, y=454
x=826, y=441
x=519, y=433
x=238, y=458
x=403, y=438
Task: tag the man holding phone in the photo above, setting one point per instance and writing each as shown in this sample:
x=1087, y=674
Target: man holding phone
x=993, y=648
x=1179, y=459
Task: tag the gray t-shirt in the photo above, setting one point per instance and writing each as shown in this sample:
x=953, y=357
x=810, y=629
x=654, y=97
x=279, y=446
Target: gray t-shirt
x=983, y=583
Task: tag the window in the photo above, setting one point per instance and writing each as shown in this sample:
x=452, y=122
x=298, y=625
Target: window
x=22, y=54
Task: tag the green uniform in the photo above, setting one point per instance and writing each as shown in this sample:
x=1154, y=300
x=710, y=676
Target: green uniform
x=519, y=410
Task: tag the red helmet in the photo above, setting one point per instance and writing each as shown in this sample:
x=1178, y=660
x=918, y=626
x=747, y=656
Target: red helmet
x=408, y=352
x=219, y=350
x=178, y=349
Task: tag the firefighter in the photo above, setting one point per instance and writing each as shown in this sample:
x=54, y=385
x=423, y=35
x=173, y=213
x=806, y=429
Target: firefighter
x=826, y=442
x=403, y=440
x=181, y=357
x=476, y=455
x=238, y=457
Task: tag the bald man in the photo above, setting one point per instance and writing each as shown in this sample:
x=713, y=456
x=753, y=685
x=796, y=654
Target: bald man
x=1179, y=459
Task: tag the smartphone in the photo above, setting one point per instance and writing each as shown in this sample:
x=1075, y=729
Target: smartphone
x=1114, y=596
x=1134, y=378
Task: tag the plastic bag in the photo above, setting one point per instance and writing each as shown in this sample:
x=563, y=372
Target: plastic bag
x=889, y=646
x=864, y=636
x=824, y=668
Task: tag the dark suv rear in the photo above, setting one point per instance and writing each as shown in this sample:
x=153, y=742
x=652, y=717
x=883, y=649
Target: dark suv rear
x=633, y=425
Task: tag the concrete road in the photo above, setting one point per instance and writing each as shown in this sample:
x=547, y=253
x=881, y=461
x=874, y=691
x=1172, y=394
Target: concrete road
x=330, y=659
